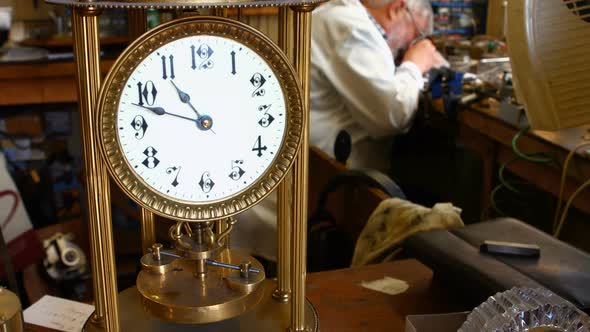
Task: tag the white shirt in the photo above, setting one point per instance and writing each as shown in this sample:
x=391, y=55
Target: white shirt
x=356, y=86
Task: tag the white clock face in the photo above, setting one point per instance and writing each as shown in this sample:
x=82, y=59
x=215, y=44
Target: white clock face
x=201, y=118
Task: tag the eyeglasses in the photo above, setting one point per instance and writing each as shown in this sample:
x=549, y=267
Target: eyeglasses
x=422, y=34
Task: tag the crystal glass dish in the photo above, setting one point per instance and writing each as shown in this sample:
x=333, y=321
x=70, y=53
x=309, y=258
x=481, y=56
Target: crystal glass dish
x=526, y=310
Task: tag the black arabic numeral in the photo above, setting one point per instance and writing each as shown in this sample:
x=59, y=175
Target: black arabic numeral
x=236, y=170
x=203, y=53
x=172, y=170
x=258, y=146
x=140, y=126
x=150, y=161
x=267, y=118
x=146, y=92
x=258, y=81
x=206, y=183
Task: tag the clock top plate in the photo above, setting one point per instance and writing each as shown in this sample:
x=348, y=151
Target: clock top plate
x=185, y=4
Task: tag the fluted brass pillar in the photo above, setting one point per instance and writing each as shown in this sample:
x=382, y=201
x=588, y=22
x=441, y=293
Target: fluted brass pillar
x=283, y=291
x=286, y=31
x=221, y=12
x=86, y=51
x=137, y=26
x=148, y=230
x=301, y=60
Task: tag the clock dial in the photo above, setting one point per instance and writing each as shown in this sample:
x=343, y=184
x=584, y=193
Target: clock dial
x=201, y=118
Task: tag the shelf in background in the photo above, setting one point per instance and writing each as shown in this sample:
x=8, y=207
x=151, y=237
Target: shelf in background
x=453, y=32
x=66, y=41
x=457, y=4
x=41, y=82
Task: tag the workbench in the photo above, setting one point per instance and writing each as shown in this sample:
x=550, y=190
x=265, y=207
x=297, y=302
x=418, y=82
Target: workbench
x=483, y=130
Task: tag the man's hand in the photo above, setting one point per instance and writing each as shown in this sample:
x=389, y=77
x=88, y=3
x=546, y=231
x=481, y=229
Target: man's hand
x=424, y=55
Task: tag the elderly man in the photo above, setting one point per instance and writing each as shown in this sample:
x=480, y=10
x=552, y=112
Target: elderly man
x=355, y=83
x=356, y=86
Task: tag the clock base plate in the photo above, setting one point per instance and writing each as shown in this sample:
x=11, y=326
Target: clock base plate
x=269, y=315
x=179, y=296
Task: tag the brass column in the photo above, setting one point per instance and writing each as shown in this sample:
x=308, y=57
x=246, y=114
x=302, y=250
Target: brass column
x=86, y=51
x=301, y=60
x=221, y=12
x=137, y=26
x=284, y=199
x=137, y=22
x=286, y=31
x=148, y=230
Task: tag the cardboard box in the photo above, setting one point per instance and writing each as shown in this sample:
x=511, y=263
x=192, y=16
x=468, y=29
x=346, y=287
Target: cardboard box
x=450, y=322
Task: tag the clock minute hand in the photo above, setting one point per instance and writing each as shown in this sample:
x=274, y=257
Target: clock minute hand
x=161, y=111
x=203, y=123
x=157, y=110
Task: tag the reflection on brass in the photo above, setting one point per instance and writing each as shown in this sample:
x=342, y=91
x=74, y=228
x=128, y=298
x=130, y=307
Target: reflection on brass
x=107, y=105
x=98, y=201
x=301, y=59
x=179, y=296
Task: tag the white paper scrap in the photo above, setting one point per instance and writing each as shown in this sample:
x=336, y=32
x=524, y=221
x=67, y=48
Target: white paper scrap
x=59, y=314
x=387, y=285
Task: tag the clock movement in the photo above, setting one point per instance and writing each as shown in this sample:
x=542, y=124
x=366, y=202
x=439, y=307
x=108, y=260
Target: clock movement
x=199, y=119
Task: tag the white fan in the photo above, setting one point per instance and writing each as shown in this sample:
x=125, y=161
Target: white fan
x=549, y=45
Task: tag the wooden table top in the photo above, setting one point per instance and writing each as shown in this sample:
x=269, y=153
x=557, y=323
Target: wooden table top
x=566, y=139
x=343, y=305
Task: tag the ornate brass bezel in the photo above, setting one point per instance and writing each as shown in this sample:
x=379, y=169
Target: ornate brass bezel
x=110, y=94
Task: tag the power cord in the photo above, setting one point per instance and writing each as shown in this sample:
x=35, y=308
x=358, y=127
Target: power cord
x=567, y=206
x=537, y=157
x=559, y=220
x=529, y=157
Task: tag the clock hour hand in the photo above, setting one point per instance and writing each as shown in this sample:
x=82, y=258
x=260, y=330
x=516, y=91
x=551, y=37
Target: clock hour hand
x=204, y=122
x=185, y=98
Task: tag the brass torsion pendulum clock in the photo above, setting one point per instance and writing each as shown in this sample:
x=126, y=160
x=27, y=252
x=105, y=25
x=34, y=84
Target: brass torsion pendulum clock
x=199, y=119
